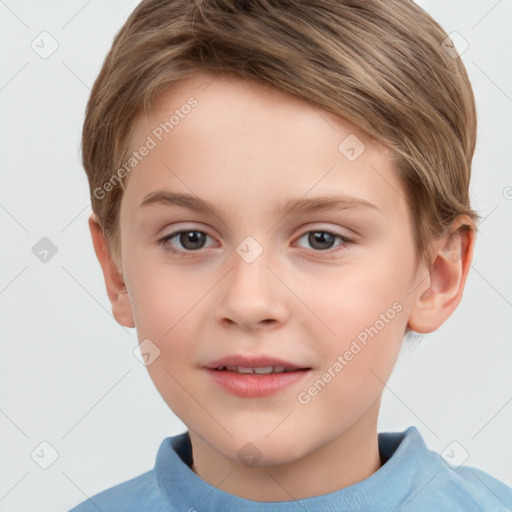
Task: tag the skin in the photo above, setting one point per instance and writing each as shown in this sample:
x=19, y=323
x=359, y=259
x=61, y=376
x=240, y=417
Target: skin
x=247, y=148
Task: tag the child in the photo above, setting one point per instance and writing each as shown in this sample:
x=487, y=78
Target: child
x=280, y=193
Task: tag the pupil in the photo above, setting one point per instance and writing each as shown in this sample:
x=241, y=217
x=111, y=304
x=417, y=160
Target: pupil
x=321, y=237
x=195, y=238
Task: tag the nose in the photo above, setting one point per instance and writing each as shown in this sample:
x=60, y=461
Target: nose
x=252, y=295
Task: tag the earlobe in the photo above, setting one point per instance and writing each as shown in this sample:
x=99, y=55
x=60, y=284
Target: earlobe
x=116, y=288
x=440, y=290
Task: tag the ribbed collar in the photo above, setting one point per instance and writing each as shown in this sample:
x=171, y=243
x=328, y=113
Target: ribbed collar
x=400, y=452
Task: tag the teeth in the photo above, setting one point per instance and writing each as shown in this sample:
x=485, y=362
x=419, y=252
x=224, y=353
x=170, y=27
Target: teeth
x=262, y=370
x=241, y=369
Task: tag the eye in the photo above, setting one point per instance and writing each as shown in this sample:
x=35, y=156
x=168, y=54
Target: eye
x=190, y=239
x=323, y=240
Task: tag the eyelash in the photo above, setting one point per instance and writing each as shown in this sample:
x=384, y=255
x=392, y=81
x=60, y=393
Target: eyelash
x=183, y=253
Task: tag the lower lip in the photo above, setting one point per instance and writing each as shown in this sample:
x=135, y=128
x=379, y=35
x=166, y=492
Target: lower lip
x=253, y=385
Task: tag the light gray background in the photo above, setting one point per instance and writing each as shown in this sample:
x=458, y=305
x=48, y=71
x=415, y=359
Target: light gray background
x=68, y=374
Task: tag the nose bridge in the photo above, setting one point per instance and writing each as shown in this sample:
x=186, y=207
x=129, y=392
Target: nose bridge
x=251, y=293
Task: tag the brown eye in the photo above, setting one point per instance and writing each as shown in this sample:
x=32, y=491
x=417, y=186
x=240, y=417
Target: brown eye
x=322, y=240
x=188, y=240
x=192, y=240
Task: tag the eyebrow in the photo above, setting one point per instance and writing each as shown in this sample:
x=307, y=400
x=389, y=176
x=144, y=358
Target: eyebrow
x=290, y=206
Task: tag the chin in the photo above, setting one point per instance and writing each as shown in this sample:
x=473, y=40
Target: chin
x=256, y=451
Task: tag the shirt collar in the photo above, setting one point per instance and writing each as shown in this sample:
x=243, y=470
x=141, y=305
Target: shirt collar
x=401, y=453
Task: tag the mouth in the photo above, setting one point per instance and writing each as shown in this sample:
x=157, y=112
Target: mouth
x=251, y=377
x=258, y=364
x=259, y=370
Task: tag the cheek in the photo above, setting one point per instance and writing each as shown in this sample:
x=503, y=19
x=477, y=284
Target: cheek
x=363, y=319
x=344, y=302
x=354, y=371
x=161, y=296
x=163, y=307
x=166, y=303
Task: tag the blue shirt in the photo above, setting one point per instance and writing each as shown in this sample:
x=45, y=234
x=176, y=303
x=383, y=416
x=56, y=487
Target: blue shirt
x=412, y=478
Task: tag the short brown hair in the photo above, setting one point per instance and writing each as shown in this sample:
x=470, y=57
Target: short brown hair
x=384, y=65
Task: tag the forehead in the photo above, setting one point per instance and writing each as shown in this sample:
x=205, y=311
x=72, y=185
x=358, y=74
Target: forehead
x=225, y=93
x=244, y=132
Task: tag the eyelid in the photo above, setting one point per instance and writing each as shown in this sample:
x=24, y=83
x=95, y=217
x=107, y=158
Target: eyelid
x=335, y=230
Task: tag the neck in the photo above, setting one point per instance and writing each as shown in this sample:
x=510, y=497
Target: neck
x=346, y=460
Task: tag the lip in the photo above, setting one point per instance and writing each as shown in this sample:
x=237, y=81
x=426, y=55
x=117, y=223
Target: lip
x=254, y=385
x=252, y=362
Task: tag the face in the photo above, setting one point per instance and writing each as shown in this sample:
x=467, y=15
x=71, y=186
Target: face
x=296, y=247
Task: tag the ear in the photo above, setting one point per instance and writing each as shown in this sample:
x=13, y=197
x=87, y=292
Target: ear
x=440, y=289
x=116, y=289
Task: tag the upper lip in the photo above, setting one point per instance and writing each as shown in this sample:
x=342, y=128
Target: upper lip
x=260, y=361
